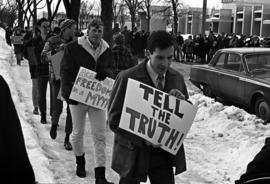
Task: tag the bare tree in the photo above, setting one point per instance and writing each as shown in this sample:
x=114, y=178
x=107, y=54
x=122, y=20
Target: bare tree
x=8, y=13
x=175, y=15
x=72, y=9
x=20, y=4
x=52, y=13
x=85, y=12
x=118, y=9
x=204, y=16
x=146, y=5
x=107, y=17
x=133, y=7
x=177, y=9
x=29, y=11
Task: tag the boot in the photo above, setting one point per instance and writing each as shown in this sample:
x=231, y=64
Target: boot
x=80, y=170
x=43, y=118
x=100, y=176
x=67, y=144
x=53, y=131
x=35, y=111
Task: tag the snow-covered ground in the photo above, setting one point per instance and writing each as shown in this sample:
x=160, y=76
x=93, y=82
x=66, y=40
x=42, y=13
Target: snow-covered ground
x=221, y=142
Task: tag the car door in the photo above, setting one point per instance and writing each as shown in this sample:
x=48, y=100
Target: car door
x=218, y=67
x=230, y=86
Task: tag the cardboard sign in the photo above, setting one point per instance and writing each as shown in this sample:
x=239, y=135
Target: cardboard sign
x=156, y=116
x=56, y=61
x=32, y=59
x=17, y=40
x=90, y=91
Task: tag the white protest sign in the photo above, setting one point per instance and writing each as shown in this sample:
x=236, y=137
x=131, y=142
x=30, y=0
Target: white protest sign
x=17, y=40
x=56, y=61
x=156, y=116
x=90, y=91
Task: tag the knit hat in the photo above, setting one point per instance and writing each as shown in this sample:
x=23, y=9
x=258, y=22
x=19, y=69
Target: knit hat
x=66, y=23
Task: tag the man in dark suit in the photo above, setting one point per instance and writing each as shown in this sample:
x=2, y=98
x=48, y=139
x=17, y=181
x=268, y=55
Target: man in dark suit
x=134, y=158
x=14, y=163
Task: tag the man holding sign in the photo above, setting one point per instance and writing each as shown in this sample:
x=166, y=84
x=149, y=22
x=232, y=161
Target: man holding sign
x=134, y=158
x=93, y=53
x=55, y=46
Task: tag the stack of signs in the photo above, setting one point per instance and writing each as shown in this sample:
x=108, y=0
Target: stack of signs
x=17, y=40
x=156, y=116
x=90, y=91
x=56, y=61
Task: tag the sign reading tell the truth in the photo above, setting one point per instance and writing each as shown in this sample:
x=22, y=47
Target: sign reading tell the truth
x=156, y=116
x=90, y=91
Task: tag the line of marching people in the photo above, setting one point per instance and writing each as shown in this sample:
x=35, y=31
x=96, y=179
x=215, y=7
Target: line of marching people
x=89, y=51
x=133, y=158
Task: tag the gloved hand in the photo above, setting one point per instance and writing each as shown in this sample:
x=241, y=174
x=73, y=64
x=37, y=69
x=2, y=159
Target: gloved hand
x=101, y=76
x=71, y=102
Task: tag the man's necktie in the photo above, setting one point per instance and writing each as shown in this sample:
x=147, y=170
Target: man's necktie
x=160, y=79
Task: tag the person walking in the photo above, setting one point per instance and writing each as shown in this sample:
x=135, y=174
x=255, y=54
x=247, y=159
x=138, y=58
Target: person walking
x=18, y=47
x=133, y=158
x=122, y=55
x=180, y=42
x=42, y=67
x=54, y=45
x=32, y=61
x=93, y=53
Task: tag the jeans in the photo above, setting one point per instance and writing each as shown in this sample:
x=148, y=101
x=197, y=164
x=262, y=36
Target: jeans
x=35, y=92
x=42, y=91
x=58, y=106
x=97, y=119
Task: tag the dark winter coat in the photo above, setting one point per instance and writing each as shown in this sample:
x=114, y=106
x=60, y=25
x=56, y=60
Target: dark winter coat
x=42, y=67
x=123, y=58
x=75, y=56
x=258, y=170
x=130, y=154
x=14, y=163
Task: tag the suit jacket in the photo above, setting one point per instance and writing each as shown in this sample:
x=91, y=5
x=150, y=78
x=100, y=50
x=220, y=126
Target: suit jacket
x=129, y=151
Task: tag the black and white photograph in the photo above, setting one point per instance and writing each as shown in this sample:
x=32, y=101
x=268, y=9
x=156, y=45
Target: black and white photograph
x=135, y=91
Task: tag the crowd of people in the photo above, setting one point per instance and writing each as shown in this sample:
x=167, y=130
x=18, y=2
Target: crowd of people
x=201, y=48
x=134, y=158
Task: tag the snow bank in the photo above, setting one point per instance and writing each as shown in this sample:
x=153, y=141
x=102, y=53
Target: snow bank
x=36, y=155
x=221, y=142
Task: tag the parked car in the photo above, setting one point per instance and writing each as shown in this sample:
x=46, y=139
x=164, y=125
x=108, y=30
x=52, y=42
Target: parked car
x=239, y=75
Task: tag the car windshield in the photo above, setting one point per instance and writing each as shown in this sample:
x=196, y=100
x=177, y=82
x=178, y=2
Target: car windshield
x=258, y=62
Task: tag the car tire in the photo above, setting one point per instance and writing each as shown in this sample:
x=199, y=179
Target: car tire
x=262, y=108
x=207, y=91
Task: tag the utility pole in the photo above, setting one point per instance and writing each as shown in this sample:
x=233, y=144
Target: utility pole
x=204, y=16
